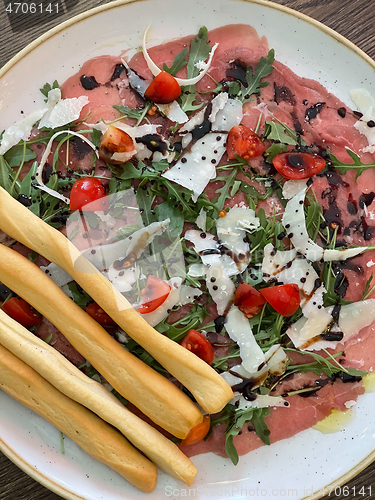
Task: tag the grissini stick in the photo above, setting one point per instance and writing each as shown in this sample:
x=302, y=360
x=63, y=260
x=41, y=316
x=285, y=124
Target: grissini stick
x=209, y=389
x=96, y=437
x=66, y=378
x=152, y=393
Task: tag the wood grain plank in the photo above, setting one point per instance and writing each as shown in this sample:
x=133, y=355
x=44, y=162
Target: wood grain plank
x=353, y=19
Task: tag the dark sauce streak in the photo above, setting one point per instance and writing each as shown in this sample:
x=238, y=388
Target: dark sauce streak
x=119, y=68
x=219, y=323
x=283, y=94
x=313, y=111
x=89, y=82
x=237, y=72
x=205, y=127
x=332, y=336
x=81, y=148
x=153, y=142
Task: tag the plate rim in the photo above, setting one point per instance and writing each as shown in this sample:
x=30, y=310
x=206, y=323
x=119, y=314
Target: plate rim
x=37, y=475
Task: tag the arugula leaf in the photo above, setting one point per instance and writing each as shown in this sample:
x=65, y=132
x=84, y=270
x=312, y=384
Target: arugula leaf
x=263, y=69
x=167, y=210
x=80, y=297
x=357, y=165
x=96, y=136
x=15, y=156
x=225, y=191
x=7, y=176
x=199, y=51
x=47, y=87
x=130, y=112
x=240, y=417
x=178, y=63
x=329, y=366
x=277, y=132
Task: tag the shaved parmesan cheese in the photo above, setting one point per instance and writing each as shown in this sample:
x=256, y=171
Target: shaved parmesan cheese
x=202, y=245
x=261, y=401
x=197, y=270
x=124, y=279
x=173, y=111
x=194, y=121
x=65, y=111
x=20, y=131
x=218, y=103
x=362, y=99
x=369, y=133
x=295, y=224
x=275, y=364
x=154, y=317
x=155, y=70
x=209, y=251
x=197, y=166
x=103, y=256
x=305, y=333
x=231, y=231
x=353, y=317
x=239, y=330
x=229, y=116
x=291, y=188
x=289, y=267
x=305, y=330
x=57, y=275
x=188, y=294
x=201, y=219
x=220, y=286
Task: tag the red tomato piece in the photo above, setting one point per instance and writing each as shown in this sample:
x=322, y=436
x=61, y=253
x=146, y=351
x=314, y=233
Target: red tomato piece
x=155, y=293
x=199, y=345
x=245, y=143
x=248, y=300
x=163, y=89
x=198, y=432
x=297, y=166
x=115, y=140
x=285, y=299
x=99, y=315
x=21, y=311
x=87, y=190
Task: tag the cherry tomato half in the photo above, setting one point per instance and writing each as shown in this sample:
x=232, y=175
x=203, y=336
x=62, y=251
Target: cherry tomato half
x=99, y=315
x=285, y=299
x=198, y=432
x=199, y=345
x=115, y=140
x=297, y=166
x=245, y=143
x=21, y=311
x=87, y=190
x=163, y=89
x=248, y=300
x=155, y=293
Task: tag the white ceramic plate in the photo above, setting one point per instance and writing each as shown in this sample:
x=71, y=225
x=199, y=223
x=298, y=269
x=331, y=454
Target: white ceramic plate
x=294, y=468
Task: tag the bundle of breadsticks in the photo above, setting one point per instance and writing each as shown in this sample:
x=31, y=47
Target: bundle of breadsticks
x=32, y=371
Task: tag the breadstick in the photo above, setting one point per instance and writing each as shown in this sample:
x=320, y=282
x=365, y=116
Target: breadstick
x=152, y=393
x=66, y=378
x=209, y=389
x=91, y=433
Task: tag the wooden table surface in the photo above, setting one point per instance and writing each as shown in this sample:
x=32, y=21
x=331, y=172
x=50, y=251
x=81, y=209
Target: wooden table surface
x=355, y=19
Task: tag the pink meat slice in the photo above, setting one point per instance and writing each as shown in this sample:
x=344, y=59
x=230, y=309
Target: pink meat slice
x=283, y=423
x=102, y=98
x=236, y=42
